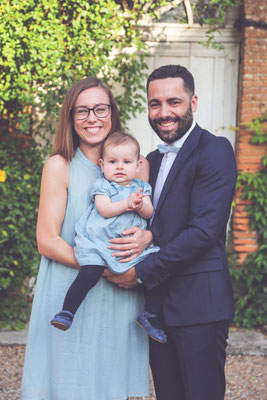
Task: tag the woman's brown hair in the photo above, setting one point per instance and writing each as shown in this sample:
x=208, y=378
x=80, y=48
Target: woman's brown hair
x=67, y=140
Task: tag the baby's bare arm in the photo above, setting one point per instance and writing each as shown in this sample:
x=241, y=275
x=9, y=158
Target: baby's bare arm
x=146, y=210
x=110, y=209
x=141, y=204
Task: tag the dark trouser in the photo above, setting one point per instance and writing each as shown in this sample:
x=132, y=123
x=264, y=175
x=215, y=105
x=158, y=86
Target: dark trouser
x=154, y=299
x=190, y=366
x=87, y=278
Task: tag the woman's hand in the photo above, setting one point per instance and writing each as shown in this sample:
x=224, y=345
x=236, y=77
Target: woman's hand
x=130, y=247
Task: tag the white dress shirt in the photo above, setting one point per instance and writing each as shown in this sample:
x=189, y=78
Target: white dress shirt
x=165, y=166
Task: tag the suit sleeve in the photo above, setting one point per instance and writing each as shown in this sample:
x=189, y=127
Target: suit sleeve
x=212, y=194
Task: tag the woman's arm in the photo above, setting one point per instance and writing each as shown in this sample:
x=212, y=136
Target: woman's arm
x=143, y=172
x=52, y=207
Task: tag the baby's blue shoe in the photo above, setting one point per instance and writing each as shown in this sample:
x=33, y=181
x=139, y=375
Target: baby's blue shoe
x=157, y=334
x=62, y=320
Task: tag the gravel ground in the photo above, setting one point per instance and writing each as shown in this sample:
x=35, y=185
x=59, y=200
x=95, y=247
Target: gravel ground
x=246, y=375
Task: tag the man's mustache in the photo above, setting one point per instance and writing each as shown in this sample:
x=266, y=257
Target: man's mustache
x=169, y=119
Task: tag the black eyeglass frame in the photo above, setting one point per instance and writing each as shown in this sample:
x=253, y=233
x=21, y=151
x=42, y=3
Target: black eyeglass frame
x=91, y=109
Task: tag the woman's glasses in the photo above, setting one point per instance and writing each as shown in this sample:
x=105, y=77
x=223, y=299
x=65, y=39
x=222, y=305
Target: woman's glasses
x=83, y=112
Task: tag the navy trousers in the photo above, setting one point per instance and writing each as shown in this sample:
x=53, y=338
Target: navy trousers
x=190, y=366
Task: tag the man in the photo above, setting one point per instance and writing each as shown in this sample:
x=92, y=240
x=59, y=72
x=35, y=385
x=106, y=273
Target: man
x=193, y=183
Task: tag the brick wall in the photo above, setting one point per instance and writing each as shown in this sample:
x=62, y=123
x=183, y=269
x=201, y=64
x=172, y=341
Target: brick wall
x=252, y=103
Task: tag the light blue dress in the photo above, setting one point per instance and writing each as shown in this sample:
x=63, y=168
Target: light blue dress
x=94, y=231
x=104, y=356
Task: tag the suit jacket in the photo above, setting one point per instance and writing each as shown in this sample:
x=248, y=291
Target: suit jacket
x=189, y=225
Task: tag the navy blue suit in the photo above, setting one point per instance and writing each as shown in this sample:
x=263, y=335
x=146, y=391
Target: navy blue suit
x=191, y=269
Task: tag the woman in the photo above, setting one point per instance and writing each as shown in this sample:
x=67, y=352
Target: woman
x=106, y=356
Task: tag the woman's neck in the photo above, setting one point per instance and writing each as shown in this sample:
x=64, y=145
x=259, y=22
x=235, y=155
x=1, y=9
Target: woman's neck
x=91, y=152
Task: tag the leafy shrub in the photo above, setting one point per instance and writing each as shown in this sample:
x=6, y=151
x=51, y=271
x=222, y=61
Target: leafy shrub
x=250, y=278
x=47, y=46
x=21, y=164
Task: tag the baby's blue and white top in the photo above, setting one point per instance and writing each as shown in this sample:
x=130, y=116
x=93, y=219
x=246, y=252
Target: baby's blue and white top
x=93, y=231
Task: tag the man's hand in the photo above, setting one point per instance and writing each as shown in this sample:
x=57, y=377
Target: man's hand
x=126, y=280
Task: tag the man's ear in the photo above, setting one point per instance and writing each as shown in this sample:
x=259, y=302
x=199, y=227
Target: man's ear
x=101, y=164
x=194, y=102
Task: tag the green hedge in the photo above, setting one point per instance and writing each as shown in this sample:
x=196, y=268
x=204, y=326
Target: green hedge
x=21, y=164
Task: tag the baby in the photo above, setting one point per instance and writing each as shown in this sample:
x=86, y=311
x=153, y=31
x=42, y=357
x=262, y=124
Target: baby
x=119, y=201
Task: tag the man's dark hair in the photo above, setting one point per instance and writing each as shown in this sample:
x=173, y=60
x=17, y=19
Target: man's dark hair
x=174, y=71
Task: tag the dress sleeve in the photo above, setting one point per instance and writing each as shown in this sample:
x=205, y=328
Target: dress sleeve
x=147, y=190
x=102, y=186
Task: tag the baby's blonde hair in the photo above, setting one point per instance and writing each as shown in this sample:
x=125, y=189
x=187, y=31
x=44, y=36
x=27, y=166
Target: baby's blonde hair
x=117, y=138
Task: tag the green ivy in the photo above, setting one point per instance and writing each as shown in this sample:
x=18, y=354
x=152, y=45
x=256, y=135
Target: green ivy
x=212, y=13
x=21, y=164
x=250, y=278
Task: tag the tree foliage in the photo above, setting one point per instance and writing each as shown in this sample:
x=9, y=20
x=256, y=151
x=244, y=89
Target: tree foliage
x=48, y=45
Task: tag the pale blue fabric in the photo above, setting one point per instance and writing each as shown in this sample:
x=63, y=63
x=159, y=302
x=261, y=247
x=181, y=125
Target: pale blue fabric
x=168, y=148
x=104, y=355
x=94, y=231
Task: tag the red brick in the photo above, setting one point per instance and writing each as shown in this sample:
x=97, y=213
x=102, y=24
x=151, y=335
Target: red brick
x=239, y=227
x=242, y=257
x=238, y=200
x=251, y=170
x=243, y=139
x=251, y=104
x=246, y=248
x=239, y=242
x=249, y=234
x=240, y=214
x=239, y=207
x=255, y=149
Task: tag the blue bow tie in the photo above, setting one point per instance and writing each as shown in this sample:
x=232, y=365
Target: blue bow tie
x=167, y=148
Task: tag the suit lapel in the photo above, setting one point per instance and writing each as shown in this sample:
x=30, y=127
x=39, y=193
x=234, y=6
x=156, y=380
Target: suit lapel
x=187, y=148
x=154, y=169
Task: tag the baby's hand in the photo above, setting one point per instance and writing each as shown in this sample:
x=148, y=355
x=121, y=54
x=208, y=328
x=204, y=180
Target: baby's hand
x=135, y=201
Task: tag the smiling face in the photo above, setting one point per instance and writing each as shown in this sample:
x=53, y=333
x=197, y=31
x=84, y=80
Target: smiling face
x=120, y=163
x=92, y=130
x=170, y=108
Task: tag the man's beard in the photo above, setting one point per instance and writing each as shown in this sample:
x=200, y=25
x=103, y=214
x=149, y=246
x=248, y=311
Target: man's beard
x=184, y=124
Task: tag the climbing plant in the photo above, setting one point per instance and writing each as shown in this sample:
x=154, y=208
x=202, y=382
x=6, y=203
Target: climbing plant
x=250, y=278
